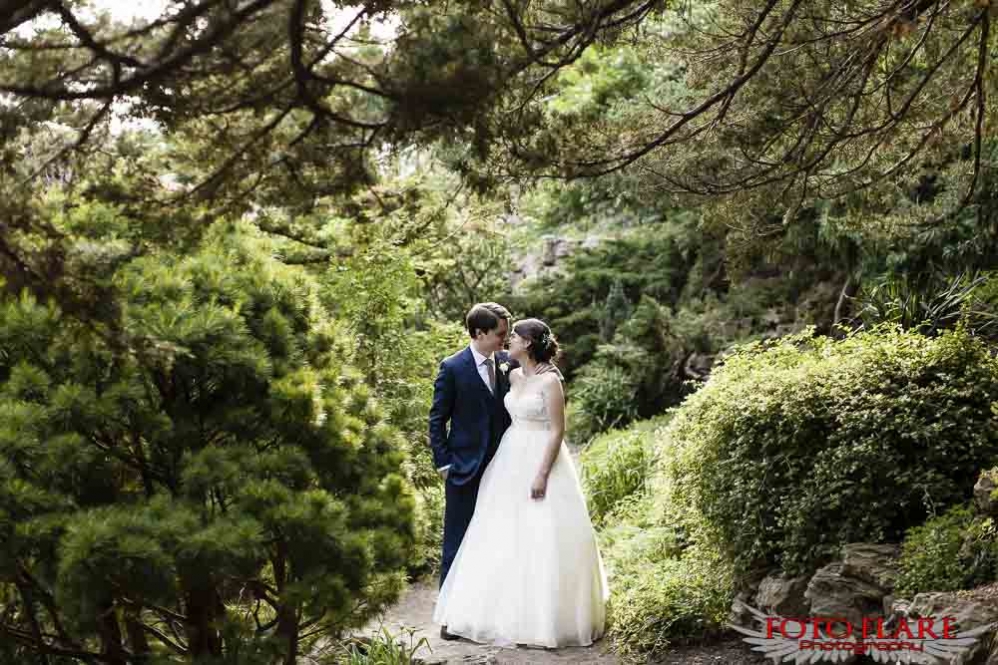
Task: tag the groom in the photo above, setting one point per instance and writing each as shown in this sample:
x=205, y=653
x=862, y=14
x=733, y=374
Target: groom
x=468, y=395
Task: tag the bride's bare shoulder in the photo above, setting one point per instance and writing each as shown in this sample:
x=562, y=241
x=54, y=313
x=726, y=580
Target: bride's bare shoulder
x=551, y=380
x=516, y=375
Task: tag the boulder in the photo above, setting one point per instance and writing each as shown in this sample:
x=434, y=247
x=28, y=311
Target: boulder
x=877, y=564
x=984, y=499
x=970, y=609
x=783, y=596
x=744, y=595
x=855, y=587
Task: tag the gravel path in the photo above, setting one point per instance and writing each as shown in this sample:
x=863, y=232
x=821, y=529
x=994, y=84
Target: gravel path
x=415, y=611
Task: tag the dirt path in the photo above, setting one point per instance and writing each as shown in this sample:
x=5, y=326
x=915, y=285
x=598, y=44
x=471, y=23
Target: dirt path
x=415, y=611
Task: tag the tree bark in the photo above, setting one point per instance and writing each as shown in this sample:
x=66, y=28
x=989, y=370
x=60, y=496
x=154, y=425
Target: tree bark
x=138, y=641
x=202, y=615
x=112, y=648
x=287, y=615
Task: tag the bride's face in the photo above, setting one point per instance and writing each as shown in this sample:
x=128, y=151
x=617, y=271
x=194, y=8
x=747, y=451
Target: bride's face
x=517, y=347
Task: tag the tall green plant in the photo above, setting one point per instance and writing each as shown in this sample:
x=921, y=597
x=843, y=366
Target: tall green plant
x=930, y=305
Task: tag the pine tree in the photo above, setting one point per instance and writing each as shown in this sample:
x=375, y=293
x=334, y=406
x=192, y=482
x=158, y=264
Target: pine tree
x=616, y=310
x=220, y=488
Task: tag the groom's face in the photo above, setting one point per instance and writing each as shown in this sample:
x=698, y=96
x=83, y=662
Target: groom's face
x=494, y=340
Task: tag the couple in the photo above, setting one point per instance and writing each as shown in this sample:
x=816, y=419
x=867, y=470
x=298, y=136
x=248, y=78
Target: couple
x=520, y=562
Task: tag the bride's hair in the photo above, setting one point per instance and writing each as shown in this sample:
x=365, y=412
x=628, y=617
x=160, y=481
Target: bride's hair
x=543, y=346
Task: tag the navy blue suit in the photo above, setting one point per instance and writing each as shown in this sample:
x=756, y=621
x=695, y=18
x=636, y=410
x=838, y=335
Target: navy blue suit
x=477, y=420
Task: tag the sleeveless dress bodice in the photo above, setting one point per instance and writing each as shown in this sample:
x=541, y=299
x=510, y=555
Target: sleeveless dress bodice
x=526, y=404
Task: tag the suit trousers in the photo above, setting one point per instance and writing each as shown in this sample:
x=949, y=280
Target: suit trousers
x=459, y=507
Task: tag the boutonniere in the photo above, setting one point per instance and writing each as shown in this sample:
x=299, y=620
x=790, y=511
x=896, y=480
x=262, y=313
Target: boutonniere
x=503, y=367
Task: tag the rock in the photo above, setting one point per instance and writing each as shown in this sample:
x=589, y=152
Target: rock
x=544, y=258
x=745, y=595
x=556, y=248
x=984, y=499
x=834, y=592
x=697, y=366
x=854, y=588
x=783, y=596
x=877, y=564
x=738, y=614
x=970, y=609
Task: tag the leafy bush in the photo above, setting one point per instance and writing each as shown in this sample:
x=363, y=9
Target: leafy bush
x=616, y=465
x=665, y=587
x=796, y=447
x=374, y=296
x=429, y=530
x=600, y=399
x=931, y=302
x=956, y=550
x=583, y=299
x=658, y=601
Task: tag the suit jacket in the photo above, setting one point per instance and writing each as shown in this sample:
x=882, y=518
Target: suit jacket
x=477, y=419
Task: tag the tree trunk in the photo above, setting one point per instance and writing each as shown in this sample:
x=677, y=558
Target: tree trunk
x=203, y=638
x=138, y=641
x=28, y=598
x=112, y=648
x=287, y=616
x=847, y=292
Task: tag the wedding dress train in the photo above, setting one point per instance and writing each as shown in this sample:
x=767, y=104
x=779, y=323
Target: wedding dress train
x=528, y=570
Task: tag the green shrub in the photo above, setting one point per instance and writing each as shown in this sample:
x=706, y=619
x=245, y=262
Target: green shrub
x=615, y=465
x=374, y=296
x=956, y=550
x=657, y=600
x=601, y=398
x=429, y=530
x=664, y=586
x=796, y=447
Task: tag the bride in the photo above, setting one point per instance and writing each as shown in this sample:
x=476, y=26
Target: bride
x=528, y=570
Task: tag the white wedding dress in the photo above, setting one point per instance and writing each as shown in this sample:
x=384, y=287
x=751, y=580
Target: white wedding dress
x=528, y=570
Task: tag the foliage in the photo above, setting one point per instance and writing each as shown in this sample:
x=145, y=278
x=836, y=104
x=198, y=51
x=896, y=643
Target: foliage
x=666, y=585
x=224, y=469
x=467, y=266
x=953, y=551
x=383, y=648
x=601, y=399
x=796, y=447
x=616, y=464
x=577, y=301
x=599, y=78
x=660, y=601
x=933, y=303
x=375, y=295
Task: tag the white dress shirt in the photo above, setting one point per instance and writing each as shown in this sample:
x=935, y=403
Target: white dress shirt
x=483, y=371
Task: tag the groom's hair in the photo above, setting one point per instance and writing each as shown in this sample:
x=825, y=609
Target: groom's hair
x=485, y=316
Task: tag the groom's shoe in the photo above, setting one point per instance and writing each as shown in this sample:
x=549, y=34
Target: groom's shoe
x=444, y=635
